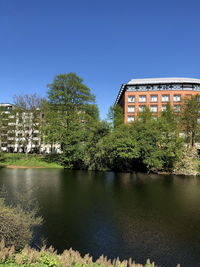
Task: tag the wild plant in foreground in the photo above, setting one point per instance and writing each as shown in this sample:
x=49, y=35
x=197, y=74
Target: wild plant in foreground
x=29, y=257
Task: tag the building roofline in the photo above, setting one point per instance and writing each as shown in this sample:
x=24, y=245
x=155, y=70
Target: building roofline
x=6, y=104
x=121, y=90
x=147, y=81
x=163, y=80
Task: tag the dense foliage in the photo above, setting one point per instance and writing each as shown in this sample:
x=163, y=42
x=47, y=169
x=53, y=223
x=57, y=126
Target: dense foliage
x=17, y=221
x=87, y=143
x=70, y=110
x=190, y=120
x=146, y=144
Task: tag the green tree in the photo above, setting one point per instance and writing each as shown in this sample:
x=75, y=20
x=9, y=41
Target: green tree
x=145, y=116
x=115, y=115
x=170, y=118
x=190, y=119
x=71, y=108
x=95, y=133
x=118, y=150
x=143, y=145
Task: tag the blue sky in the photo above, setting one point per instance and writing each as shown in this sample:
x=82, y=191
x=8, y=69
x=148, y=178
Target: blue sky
x=106, y=42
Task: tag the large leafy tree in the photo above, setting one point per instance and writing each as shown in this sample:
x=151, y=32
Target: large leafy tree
x=70, y=109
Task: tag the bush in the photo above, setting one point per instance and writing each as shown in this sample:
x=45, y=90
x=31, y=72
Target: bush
x=188, y=163
x=17, y=221
x=16, y=225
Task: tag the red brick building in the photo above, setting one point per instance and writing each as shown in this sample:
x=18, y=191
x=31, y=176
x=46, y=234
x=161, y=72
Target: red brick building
x=155, y=93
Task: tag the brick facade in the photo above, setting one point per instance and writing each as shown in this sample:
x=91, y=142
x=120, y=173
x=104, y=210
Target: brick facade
x=134, y=101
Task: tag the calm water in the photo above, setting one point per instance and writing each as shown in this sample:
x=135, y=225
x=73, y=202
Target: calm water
x=116, y=214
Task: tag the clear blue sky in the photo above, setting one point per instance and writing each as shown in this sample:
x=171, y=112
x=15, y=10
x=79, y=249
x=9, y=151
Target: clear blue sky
x=106, y=42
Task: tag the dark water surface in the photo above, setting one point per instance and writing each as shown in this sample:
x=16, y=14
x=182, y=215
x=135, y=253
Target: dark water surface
x=116, y=214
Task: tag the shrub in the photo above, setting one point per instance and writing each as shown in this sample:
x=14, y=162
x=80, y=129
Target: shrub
x=17, y=221
x=16, y=225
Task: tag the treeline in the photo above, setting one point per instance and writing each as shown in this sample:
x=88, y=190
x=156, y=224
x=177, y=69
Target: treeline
x=72, y=120
x=69, y=118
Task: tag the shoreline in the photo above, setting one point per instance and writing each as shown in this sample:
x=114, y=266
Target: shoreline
x=23, y=167
x=41, y=167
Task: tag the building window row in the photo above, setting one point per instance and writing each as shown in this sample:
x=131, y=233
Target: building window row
x=153, y=108
x=153, y=98
x=163, y=87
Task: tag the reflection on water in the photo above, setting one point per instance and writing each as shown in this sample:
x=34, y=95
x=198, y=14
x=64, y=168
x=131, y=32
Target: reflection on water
x=116, y=214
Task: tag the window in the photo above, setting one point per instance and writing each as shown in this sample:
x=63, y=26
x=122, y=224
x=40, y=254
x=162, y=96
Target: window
x=177, y=98
x=153, y=98
x=177, y=87
x=142, y=98
x=131, y=109
x=142, y=108
x=188, y=86
x=164, y=107
x=177, y=108
x=154, y=108
x=165, y=98
x=131, y=99
x=131, y=118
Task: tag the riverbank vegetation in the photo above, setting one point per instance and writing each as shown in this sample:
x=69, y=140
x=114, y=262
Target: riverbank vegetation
x=29, y=257
x=160, y=144
x=70, y=118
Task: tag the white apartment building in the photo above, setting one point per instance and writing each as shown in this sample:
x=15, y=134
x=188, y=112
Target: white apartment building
x=21, y=132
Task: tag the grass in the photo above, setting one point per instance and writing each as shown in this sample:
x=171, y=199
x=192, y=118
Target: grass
x=33, y=160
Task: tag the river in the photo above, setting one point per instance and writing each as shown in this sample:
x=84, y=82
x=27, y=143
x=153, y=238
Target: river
x=115, y=214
